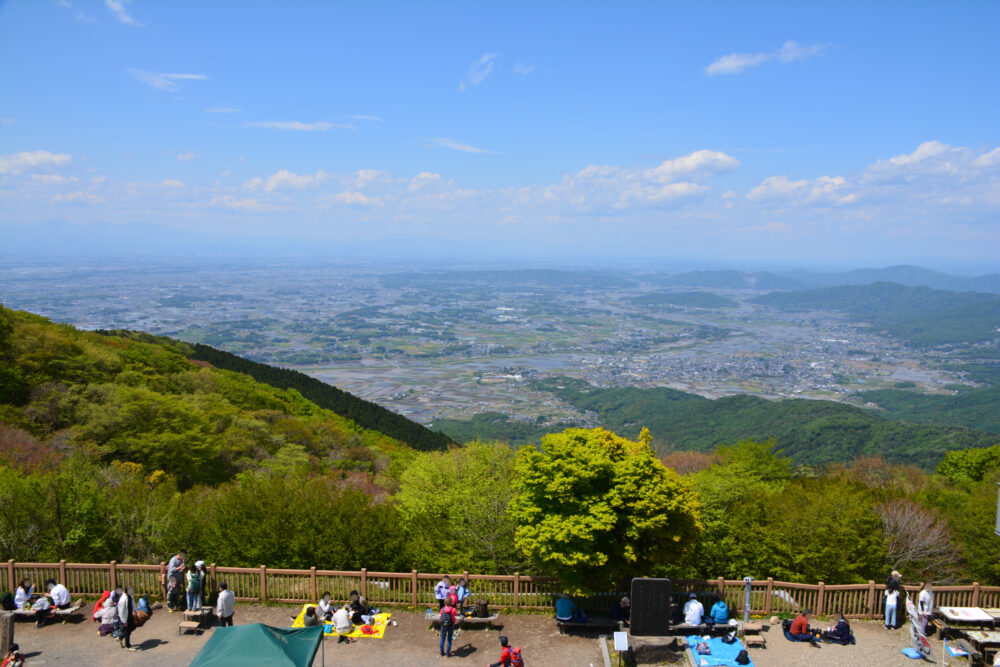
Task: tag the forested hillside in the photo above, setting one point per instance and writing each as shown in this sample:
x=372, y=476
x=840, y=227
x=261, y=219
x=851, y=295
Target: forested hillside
x=809, y=431
x=974, y=408
x=919, y=315
x=120, y=398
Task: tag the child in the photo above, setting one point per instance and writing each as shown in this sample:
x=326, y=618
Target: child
x=509, y=657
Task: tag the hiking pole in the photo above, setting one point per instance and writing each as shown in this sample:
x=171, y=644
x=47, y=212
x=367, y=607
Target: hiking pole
x=746, y=600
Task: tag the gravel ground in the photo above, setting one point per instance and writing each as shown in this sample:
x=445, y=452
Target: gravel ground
x=409, y=644
x=876, y=647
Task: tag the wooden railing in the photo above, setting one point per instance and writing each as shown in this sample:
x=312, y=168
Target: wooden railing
x=416, y=589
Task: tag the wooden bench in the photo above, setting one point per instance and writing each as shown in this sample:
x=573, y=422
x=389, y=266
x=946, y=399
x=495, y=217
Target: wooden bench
x=594, y=624
x=470, y=621
x=755, y=641
x=184, y=626
x=197, y=615
x=56, y=612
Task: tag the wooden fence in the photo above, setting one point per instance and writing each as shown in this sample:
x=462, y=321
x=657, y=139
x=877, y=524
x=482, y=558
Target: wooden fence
x=416, y=589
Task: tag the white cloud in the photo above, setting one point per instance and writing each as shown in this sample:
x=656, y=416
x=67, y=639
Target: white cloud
x=776, y=186
x=254, y=183
x=924, y=150
x=25, y=160
x=7, y=121
x=222, y=110
x=423, y=180
x=364, y=178
x=458, y=146
x=698, y=163
x=187, y=156
x=352, y=198
x=119, y=11
x=790, y=51
x=365, y=117
x=228, y=201
x=166, y=82
x=287, y=180
x=990, y=159
x=52, y=179
x=479, y=70
x=171, y=184
x=320, y=126
x=78, y=14
x=524, y=69
x=78, y=197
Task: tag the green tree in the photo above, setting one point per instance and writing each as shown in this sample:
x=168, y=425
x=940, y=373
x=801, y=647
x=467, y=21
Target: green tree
x=596, y=509
x=455, y=503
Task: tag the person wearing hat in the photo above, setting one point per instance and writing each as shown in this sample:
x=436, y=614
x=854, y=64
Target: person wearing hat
x=622, y=611
x=799, y=630
x=693, y=610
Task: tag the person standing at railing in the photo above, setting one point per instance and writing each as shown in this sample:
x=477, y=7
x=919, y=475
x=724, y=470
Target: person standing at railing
x=892, y=595
x=126, y=615
x=194, y=586
x=925, y=605
x=175, y=580
x=441, y=590
x=224, y=605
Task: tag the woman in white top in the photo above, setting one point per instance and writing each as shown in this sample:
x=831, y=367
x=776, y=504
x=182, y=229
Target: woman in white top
x=925, y=605
x=326, y=606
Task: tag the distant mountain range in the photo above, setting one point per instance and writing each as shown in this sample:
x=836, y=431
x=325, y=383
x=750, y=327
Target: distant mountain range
x=912, y=276
x=920, y=315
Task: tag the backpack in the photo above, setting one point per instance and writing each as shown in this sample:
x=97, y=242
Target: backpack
x=195, y=585
x=482, y=609
x=515, y=657
x=743, y=658
x=447, y=620
x=143, y=605
x=7, y=602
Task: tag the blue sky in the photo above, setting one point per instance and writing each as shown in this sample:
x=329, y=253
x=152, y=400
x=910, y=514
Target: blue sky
x=785, y=130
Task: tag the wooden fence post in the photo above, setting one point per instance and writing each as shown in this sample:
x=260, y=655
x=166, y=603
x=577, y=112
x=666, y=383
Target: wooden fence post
x=263, y=584
x=113, y=575
x=364, y=582
x=62, y=571
x=312, y=582
x=719, y=584
x=11, y=581
x=768, y=595
x=163, y=578
x=820, y=599
x=975, y=594
x=871, y=599
x=517, y=590
x=413, y=587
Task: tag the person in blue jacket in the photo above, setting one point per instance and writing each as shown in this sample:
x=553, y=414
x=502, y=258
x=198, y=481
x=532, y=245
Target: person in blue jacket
x=566, y=610
x=720, y=611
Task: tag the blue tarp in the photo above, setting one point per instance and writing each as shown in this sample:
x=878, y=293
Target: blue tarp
x=722, y=653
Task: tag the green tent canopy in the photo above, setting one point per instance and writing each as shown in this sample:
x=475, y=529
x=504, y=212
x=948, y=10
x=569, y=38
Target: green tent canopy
x=260, y=645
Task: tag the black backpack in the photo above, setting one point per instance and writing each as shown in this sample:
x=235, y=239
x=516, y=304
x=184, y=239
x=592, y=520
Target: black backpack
x=7, y=602
x=447, y=620
x=743, y=658
x=482, y=609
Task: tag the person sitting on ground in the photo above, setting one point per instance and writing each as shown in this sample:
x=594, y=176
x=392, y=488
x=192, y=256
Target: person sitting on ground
x=509, y=657
x=840, y=633
x=22, y=596
x=693, y=610
x=326, y=606
x=622, y=611
x=568, y=612
x=360, y=612
x=799, y=630
x=58, y=594
x=441, y=590
x=310, y=619
x=224, y=605
x=342, y=624
x=720, y=611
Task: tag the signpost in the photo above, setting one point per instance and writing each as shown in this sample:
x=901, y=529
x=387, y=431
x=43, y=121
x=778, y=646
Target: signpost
x=746, y=600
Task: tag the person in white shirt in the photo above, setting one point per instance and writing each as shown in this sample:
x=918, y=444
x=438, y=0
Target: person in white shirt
x=925, y=605
x=342, y=624
x=58, y=593
x=22, y=596
x=126, y=611
x=326, y=606
x=224, y=605
x=693, y=611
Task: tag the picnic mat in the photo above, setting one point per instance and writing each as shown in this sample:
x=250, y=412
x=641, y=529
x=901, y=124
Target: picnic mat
x=379, y=623
x=722, y=653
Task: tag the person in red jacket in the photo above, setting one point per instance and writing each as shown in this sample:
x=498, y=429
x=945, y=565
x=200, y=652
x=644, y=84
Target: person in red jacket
x=799, y=630
x=509, y=657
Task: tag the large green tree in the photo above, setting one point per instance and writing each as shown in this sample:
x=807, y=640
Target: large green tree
x=454, y=504
x=595, y=509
